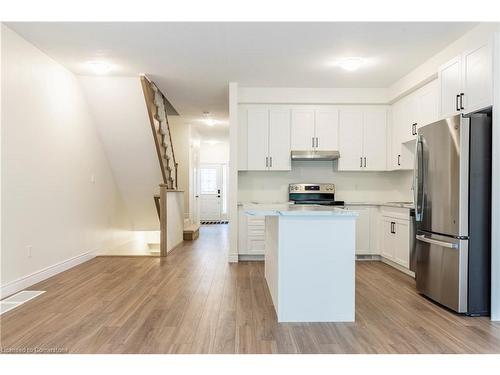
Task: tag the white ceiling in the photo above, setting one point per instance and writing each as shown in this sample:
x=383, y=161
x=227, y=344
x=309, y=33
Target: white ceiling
x=193, y=62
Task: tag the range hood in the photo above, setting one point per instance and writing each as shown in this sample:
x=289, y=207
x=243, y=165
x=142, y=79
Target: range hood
x=315, y=155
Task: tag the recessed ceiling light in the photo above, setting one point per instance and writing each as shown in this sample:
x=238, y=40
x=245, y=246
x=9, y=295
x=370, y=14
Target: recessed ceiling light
x=350, y=63
x=211, y=141
x=98, y=67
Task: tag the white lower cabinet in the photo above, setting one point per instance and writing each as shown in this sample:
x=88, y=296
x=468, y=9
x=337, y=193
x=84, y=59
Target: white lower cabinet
x=366, y=229
x=251, y=234
x=395, y=239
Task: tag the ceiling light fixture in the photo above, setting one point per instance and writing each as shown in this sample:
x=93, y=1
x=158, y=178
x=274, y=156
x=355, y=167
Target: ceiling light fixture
x=350, y=63
x=208, y=120
x=98, y=67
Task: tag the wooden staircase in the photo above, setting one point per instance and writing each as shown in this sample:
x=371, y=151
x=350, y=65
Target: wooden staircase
x=157, y=105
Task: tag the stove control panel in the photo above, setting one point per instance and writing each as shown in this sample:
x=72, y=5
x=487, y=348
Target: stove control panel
x=311, y=188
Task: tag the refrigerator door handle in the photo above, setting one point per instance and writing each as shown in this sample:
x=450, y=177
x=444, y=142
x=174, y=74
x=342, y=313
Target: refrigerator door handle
x=418, y=185
x=449, y=245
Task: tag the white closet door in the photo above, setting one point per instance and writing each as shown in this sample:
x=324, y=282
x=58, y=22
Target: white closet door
x=279, y=140
x=258, y=138
x=302, y=129
x=375, y=140
x=350, y=139
x=326, y=129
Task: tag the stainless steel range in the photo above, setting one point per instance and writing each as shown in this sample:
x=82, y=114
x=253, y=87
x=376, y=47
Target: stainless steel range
x=322, y=194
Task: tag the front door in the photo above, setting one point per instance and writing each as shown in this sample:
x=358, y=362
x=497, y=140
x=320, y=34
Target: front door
x=210, y=192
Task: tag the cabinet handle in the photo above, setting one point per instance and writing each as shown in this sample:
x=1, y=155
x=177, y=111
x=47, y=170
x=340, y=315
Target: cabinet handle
x=414, y=129
x=361, y=162
x=267, y=161
x=399, y=159
x=393, y=227
x=312, y=140
x=317, y=142
x=365, y=161
x=270, y=161
x=456, y=103
x=462, y=100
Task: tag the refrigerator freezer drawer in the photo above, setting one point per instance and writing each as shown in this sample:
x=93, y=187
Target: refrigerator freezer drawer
x=442, y=270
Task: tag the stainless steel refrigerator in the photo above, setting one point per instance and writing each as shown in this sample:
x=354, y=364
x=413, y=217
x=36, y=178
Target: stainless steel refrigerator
x=453, y=212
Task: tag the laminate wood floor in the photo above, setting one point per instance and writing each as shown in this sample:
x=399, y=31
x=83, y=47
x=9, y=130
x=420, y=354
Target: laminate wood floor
x=195, y=302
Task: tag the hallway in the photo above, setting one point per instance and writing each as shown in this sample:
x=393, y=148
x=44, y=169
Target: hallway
x=195, y=302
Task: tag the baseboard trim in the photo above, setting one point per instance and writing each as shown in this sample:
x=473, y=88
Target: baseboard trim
x=250, y=258
x=38, y=276
x=397, y=266
x=232, y=258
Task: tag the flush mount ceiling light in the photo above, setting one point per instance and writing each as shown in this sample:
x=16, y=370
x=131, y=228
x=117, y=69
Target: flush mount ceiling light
x=350, y=63
x=208, y=120
x=98, y=67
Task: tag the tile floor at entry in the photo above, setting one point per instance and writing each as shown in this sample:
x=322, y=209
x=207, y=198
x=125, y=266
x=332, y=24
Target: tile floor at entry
x=195, y=302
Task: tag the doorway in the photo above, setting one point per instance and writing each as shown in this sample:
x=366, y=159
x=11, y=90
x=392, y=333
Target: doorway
x=213, y=198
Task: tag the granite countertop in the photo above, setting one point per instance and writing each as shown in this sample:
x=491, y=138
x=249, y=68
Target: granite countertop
x=296, y=210
x=407, y=205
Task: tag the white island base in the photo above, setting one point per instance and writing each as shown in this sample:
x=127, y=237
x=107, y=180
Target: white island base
x=310, y=264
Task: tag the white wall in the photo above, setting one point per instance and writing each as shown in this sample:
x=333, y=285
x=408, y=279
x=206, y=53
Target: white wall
x=58, y=192
x=216, y=153
x=119, y=110
x=291, y=95
x=268, y=187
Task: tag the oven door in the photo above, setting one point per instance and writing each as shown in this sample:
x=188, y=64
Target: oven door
x=311, y=198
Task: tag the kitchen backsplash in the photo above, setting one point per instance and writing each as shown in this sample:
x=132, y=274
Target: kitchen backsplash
x=350, y=186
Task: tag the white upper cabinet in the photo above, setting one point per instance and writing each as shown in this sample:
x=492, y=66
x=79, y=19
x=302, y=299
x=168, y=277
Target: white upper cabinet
x=302, y=129
x=363, y=138
x=326, y=129
x=415, y=110
x=477, y=78
x=450, y=87
x=375, y=139
x=268, y=138
x=258, y=139
x=428, y=104
x=279, y=140
x=466, y=81
x=350, y=140
x=314, y=129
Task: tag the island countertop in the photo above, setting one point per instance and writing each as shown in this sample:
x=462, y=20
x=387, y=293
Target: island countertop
x=297, y=210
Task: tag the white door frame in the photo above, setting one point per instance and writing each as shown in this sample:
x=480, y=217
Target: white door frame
x=222, y=171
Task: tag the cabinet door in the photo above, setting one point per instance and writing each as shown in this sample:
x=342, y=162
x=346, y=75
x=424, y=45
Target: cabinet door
x=402, y=242
x=242, y=139
x=362, y=229
x=410, y=119
x=449, y=87
x=302, y=129
x=258, y=138
x=375, y=140
x=242, y=231
x=428, y=104
x=396, y=136
x=256, y=235
x=387, y=240
x=350, y=140
x=279, y=140
x=326, y=129
x=478, y=78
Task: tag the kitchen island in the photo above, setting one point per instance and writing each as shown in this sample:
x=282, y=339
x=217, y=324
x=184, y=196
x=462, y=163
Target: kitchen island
x=309, y=261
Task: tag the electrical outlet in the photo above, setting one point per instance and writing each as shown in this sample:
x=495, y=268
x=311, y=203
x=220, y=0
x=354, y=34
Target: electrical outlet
x=29, y=249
